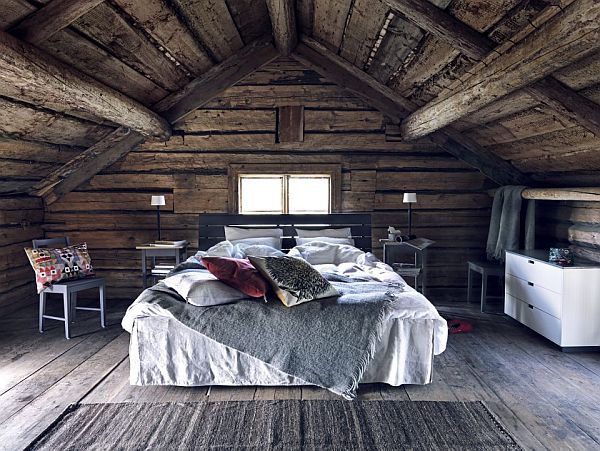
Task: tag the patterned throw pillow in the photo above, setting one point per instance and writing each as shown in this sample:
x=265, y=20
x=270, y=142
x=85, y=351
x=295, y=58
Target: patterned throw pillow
x=294, y=281
x=55, y=265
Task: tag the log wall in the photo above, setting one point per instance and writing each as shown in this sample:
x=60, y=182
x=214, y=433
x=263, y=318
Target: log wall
x=112, y=211
x=21, y=220
x=573, y=224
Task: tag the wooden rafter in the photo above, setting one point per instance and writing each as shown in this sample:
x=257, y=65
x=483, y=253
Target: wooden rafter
x=30, y=75
x=51, y=18
x=87, y=164
x=565, y=38
x=218, y=78
x=391, y=104
x=283, y=22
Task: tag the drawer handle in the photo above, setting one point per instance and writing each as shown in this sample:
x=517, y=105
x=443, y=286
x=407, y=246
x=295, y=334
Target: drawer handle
x=531, y=261
x=530, y=284
x=530, y=306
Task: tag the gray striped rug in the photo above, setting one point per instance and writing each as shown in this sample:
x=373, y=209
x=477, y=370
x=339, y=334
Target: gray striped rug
x=279, y=425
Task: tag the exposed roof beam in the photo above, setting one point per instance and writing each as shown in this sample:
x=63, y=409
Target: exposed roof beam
x=31, y=75
x=218, y=78
x=335, y=68
x=51, y=18
x=438, y=22
x=87, y=164
x=562, y=40
x=319, y=58
x=283, y=22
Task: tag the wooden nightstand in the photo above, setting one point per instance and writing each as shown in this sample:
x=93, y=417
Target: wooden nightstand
x=409, y=259
x=178, y=253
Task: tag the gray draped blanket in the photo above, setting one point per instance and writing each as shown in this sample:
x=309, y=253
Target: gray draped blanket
x=328, y=343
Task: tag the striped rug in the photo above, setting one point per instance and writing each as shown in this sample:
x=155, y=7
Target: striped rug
x=278, y=425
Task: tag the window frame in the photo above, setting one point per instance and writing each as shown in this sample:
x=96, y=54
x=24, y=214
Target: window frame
x=333, y=171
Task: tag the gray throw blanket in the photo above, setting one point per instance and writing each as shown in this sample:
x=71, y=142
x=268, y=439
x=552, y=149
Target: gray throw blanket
x=505, y=223
x=328, y=343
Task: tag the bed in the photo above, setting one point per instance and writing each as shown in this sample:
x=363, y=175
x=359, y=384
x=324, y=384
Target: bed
x=167, y=348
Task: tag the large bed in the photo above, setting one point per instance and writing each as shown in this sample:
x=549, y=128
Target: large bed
x=167, y=348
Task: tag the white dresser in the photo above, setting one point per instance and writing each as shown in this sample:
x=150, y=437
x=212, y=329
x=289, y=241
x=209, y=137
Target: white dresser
x=560, y=303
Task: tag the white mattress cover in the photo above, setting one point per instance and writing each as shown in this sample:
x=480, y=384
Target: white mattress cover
x=163, y=351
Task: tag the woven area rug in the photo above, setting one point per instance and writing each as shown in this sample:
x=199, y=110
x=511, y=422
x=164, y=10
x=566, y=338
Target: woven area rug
x=279, y=425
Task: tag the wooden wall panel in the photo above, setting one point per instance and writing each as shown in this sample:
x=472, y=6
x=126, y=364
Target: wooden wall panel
x=21, y=220
x=112, y=211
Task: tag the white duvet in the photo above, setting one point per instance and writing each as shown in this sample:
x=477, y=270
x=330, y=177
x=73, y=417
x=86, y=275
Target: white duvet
x=415, y=329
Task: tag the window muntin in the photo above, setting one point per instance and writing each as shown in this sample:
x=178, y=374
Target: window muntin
x=284, y=193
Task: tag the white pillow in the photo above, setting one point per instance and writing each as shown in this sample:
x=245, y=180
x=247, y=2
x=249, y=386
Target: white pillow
x=262, y=241
x=202, y=289
x=344, y=232
x=240, y=233
x=319, y=253
x=258, y=250
x=325, y=239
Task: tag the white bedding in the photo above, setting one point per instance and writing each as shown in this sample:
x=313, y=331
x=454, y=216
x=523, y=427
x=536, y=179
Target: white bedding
x=163, y=351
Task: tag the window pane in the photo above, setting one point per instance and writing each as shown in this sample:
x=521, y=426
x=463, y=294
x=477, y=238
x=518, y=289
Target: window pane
x=309, y=194
x=261, y=195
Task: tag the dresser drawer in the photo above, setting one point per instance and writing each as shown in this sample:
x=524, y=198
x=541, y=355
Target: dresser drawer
x=534, y=318
x=530, y=293
x=541, y=274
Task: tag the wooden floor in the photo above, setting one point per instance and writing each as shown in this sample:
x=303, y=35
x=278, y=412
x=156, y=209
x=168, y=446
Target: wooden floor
x=547, y=399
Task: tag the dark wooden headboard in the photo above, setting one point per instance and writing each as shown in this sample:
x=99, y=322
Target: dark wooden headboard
x=211, y=226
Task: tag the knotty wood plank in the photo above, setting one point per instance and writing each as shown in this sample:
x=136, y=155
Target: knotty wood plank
x=283, y=23
x=212, y=24
x=51, y=18
x=329, y=21
x=340, y=120
x=220, y=77
x=207, y=120
x=30, y=75
x=107, y=390
x=159, y=20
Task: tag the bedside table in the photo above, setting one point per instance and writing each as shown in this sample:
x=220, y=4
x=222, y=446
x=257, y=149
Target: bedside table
x=408, y=260
x=178, y=253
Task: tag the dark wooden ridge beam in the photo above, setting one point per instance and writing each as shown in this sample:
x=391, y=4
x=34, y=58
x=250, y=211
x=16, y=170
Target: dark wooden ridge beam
x=32, y=76
x=395, y=107
x=283, y=22
x=87, y=164
x=218, y=78
x=51, y=18
x=562, y=40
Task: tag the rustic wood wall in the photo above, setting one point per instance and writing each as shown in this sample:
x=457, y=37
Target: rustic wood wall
x=20, y=221
x=112, y=211
x=574, y=224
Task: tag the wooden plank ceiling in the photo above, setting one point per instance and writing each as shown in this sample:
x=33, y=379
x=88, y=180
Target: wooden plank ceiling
x=494, y=73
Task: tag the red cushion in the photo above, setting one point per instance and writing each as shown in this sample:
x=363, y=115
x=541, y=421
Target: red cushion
x=237, y=273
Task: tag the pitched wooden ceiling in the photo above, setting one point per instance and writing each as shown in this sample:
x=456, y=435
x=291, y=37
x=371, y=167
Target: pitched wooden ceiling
x=422, y=56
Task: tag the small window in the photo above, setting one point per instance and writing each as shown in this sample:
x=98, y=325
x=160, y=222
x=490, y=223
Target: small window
x=284, y=193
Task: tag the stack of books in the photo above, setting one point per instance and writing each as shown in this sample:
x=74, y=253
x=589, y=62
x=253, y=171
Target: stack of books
x=161, y=270
x=169, y=243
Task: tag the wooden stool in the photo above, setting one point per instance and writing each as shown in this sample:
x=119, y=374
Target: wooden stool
x=69, y=290
x=486, y=269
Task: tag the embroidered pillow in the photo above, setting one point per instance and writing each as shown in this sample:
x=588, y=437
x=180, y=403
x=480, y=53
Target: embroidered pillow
x=57, y=265
x=294, y=280
x=237, y=273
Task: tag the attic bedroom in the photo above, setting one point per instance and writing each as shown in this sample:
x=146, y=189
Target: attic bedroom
x=299, y=224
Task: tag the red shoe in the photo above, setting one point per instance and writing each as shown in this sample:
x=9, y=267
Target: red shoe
x=459, y=326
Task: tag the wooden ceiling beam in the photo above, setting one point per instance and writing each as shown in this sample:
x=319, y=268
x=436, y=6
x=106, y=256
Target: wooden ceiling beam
x=32, y=76
x=395, y=107
x=218, y=78
x=51, y=18
x=87, y=164
x=283, y=22
x=565, y=38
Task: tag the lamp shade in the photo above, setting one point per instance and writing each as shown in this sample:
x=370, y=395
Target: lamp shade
x=410, y=198
x=157, y=200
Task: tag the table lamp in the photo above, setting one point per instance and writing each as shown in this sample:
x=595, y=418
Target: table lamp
x=157, y=201
x=410, y=198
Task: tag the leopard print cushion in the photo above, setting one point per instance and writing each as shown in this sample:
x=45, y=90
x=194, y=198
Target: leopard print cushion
x=294, y=280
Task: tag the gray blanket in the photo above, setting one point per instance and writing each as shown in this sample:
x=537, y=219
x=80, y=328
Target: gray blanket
x=505, y=223
x=328, y=342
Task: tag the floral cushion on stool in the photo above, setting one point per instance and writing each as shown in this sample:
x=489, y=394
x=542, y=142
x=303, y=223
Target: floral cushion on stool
x=57, y=265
